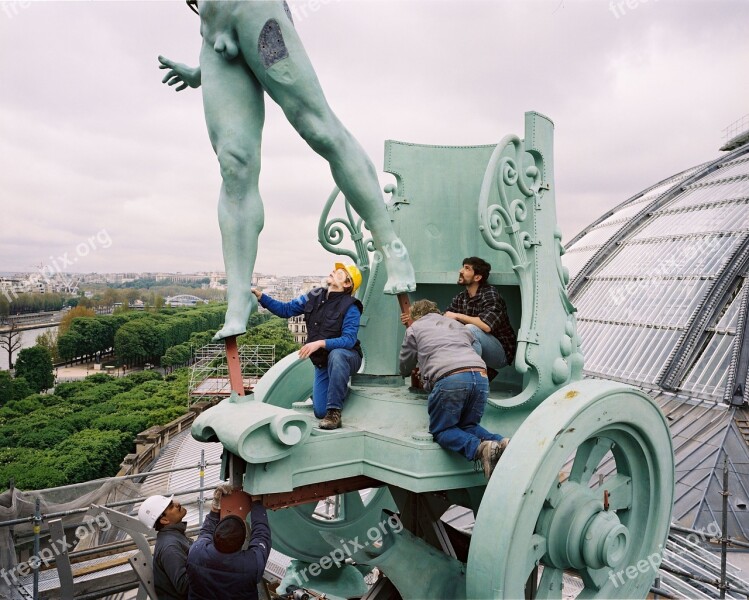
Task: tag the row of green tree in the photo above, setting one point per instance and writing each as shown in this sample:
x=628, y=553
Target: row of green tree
x=150, y=282
x=84, y=430
x=12, y=304
x=136, y=336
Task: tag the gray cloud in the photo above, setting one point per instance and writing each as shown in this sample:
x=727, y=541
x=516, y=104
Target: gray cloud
x=90, y=139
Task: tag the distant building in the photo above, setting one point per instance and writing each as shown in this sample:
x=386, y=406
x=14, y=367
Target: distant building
x=298, y=329
x=183, y=300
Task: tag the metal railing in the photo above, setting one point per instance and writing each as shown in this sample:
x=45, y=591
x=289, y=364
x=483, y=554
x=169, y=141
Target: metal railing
x=38, y=518
x=737, y=127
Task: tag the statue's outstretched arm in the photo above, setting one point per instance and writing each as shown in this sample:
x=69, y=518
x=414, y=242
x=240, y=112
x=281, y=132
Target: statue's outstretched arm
x=179, y=74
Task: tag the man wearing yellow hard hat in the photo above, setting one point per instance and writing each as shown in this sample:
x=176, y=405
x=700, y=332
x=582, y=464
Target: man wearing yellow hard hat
x=332, y=316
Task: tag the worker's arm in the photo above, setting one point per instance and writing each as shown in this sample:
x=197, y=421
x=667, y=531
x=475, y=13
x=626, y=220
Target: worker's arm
x=408, y=354
x=206, y=531
x=282, y=309
x=260, y=539
x=349, y=330
x=466, y=320
x=180, y=74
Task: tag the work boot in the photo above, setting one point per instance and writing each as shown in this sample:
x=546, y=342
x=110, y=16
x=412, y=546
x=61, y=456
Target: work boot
x=488, y=453
x=332, y=419
x=503, y=446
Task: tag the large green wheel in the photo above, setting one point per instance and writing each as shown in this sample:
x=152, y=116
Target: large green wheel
x=296, y=530
x=546, y=503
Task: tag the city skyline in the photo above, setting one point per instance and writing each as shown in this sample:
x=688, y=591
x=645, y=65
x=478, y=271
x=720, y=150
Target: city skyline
x=111, y=171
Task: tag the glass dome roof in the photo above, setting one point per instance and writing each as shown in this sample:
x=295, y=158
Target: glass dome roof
x=658, y=283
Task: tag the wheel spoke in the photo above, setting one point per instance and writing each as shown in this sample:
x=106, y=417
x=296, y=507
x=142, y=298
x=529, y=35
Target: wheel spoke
x=594, y=580
x=536, y=553
x=353, y=506
x=589, y=454
x=619, y=488
x=550, y=585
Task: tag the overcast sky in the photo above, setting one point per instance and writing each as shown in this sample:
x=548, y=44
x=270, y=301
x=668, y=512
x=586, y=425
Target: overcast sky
x=96, y=152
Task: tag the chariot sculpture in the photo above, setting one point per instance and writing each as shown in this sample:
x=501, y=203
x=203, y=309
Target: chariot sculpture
x=586, y=486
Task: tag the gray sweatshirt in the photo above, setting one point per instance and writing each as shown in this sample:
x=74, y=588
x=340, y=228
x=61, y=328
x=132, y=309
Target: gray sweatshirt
x=439, y=345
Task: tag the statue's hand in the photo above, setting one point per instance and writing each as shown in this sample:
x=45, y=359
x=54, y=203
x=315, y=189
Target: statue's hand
x=179, y=74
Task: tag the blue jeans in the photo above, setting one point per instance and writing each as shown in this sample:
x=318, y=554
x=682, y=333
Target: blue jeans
x=488, y=348
x=331, y=383
x=456, y=405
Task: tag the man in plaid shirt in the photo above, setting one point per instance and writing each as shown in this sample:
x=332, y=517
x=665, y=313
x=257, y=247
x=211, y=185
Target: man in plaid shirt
x=483, y=311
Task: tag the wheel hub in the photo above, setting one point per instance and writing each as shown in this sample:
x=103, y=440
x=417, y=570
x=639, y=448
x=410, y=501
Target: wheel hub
x=580, y=533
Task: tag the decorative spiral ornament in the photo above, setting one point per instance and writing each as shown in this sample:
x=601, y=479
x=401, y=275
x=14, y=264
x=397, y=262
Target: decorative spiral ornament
x=509, y=171
x=519, y=209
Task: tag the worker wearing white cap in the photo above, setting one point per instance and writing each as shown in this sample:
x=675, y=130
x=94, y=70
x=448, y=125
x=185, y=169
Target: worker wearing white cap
x=332, y=316
x=170, y=553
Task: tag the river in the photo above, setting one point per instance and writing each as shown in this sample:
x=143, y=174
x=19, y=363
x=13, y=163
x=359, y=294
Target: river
x=28, y=339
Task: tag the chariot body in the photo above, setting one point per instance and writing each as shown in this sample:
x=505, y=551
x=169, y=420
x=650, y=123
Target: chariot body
x=585, y=486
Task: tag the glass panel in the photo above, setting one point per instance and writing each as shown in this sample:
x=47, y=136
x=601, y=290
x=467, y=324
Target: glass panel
x=664, y=302
x=730, y=317
x=709, y=374
x=575, y=261
x=668, y=258
x=731, y=170
x=597, y=236
x=626, y=351
x=665, y=186
x=624, y=214
x=732, y=217
x=712, y=193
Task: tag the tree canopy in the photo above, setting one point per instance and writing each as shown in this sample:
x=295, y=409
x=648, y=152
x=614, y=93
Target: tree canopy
x=35, y=365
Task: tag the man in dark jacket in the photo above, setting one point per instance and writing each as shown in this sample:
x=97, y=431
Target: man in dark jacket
x=172, y=545
x=217, y=567
x=332, y=316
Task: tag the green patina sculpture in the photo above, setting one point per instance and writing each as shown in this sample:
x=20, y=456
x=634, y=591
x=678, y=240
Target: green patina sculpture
x=544, y=504
x=250, y=49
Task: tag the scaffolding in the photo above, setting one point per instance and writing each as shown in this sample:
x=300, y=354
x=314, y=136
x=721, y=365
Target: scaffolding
x=209, y=375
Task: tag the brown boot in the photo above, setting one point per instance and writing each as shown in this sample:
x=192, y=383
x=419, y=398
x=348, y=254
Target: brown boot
x=488, y=454
x=332, y=419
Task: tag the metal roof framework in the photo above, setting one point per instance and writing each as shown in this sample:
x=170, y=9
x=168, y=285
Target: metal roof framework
x=659, y=286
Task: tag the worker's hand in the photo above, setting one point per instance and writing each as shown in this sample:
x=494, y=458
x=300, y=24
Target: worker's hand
x=257, y=293
x=406, y=319
x=452, y=315
x=307, y=349
x=179, y=74
x=222, y=490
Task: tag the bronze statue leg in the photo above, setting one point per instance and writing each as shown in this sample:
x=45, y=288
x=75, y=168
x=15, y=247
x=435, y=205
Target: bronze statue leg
x=272, y=49
x=235, y=112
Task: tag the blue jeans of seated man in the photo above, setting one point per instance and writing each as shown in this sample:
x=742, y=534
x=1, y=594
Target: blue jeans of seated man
x=488, y=348
x=331, y=383
x=456, y=405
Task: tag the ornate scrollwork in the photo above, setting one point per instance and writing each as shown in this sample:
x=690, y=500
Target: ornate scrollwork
x=502, y=221
x=331, y=234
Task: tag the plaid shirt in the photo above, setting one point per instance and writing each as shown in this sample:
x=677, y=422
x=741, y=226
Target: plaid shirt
x=489, y=306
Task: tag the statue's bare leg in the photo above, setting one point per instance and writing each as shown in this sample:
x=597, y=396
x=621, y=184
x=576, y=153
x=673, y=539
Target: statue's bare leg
x=234, y=113
x=271, y=47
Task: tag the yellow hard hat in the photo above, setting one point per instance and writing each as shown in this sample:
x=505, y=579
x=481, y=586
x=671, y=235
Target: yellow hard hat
x=353, y=272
